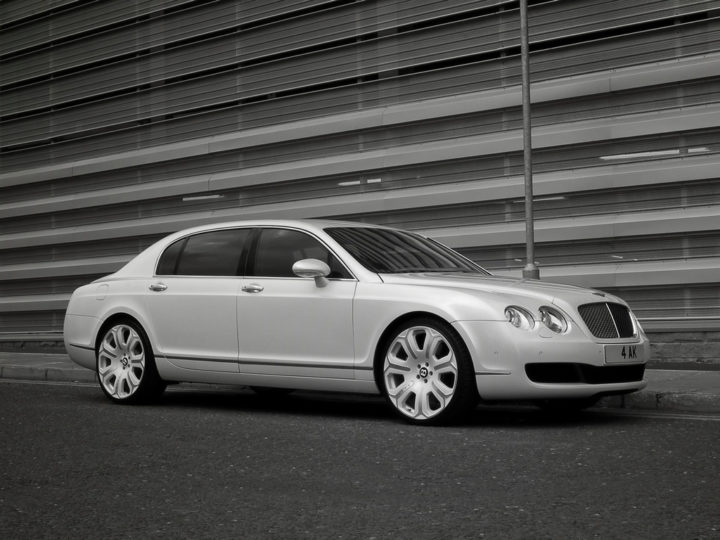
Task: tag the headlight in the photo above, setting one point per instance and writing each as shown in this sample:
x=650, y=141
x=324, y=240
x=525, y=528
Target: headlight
x=553, y=319
x=519, y=317
x=638, y=328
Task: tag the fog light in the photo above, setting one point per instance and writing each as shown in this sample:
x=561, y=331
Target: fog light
x=553, y=319
x=519, y=317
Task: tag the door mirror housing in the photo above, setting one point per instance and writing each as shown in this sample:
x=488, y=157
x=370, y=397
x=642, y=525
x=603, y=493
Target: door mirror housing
x=312, y=268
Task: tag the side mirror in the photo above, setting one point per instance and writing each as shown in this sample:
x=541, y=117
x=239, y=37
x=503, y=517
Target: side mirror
x=312, y=268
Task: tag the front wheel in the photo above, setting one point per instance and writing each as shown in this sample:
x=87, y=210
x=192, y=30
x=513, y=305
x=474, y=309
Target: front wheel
x=427, y=375
x=126, y=365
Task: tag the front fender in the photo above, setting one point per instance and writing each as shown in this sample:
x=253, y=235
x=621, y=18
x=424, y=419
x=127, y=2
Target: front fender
x=377, y=306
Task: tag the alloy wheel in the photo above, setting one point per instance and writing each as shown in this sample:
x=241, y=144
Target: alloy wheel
x=420, y=372
x=121, y=362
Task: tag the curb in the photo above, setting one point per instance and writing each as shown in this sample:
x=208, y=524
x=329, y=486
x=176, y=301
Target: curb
x=679, y=391
x=649, y=400
x=31, y=373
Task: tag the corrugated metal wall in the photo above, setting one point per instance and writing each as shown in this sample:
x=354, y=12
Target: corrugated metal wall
x=123, y=120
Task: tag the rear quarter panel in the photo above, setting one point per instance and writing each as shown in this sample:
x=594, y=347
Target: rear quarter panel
x=91, y=306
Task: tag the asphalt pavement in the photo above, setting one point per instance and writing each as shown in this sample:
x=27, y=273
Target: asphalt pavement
x=225, y=463
x=667, y=390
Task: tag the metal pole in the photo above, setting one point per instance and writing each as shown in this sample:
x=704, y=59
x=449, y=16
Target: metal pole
x=530, y=271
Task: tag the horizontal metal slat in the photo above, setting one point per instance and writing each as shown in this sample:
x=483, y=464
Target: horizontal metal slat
x=481, y=179
x=55, y=269
x=684, y=40
x=341, y=22
x=296, y=170
x=678, y=301
x=277, y=76
x=43, y=302
x=630, y=200
x=281, y=111
x=105, y=46
x=616, y=251
x=348, y=21
x=75, y=253
x=45, y=32
x=251, y=46
x=589, y=131
x=263, y=79
x=614, y=256
x=32, y=322
x=32, y=288
x=548, y=230
x=547, y=19
x=561, y=19
x=616, y=277
x=122, y=181
x=16, y=10
x=84, y=18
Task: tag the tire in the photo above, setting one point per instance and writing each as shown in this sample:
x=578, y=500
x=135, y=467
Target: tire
x=427, y=374
x=126, y=364
x=566, y=405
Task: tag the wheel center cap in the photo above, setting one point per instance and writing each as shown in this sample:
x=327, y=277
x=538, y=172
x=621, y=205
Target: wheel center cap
x=424, y=372
x=125, y=361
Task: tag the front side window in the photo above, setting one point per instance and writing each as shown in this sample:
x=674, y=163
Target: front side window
x=387, y=251
x=214, y=253
x=278, y=249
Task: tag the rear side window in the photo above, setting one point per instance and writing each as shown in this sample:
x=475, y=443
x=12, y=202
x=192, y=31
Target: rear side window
x=278, y=249
x=168, y=261
x=214, y=253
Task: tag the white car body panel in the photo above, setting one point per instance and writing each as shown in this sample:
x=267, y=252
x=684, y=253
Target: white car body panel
x=296, y=334
x=193, y=321
x=294, y=327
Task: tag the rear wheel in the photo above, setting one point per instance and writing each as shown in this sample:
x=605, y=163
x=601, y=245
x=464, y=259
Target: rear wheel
x=427, y=375
x=126, y=365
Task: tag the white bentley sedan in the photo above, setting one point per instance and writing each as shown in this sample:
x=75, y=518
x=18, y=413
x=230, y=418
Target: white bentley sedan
x=323, y=305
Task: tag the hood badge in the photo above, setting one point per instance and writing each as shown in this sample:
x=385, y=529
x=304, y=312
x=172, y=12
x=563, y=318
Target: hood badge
x=598, y=293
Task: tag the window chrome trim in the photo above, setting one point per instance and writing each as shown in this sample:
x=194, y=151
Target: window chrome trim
x=187, y=236
x=252, y=228
x=312, y=235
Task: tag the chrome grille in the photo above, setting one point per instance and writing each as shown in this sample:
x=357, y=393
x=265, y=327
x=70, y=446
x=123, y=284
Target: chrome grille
x=623, y=320
x=608, y=321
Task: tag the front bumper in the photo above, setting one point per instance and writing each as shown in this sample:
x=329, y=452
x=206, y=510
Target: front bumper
x=515, y=364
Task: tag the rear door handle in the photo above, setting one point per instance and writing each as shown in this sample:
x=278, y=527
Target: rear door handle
x=253, y=288
x=158, y=287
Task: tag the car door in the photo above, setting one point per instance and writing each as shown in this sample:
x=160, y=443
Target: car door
x=192, y=300
x=289, y=325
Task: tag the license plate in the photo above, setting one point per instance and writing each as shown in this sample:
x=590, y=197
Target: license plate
x=623, y=354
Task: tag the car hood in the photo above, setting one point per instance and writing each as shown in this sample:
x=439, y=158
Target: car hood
x=540, y=291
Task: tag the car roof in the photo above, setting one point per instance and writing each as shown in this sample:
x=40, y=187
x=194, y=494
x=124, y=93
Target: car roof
x=309, y=224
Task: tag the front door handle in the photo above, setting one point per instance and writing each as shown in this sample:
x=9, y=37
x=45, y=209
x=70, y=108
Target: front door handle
x=158, y=287
x=253, y=288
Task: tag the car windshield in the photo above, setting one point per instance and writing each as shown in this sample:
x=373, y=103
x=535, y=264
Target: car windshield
x=387, y=251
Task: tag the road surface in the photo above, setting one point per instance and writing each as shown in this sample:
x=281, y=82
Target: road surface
x=219, y=463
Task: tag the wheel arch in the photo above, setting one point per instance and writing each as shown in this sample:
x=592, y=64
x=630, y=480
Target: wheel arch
x=117, y=317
